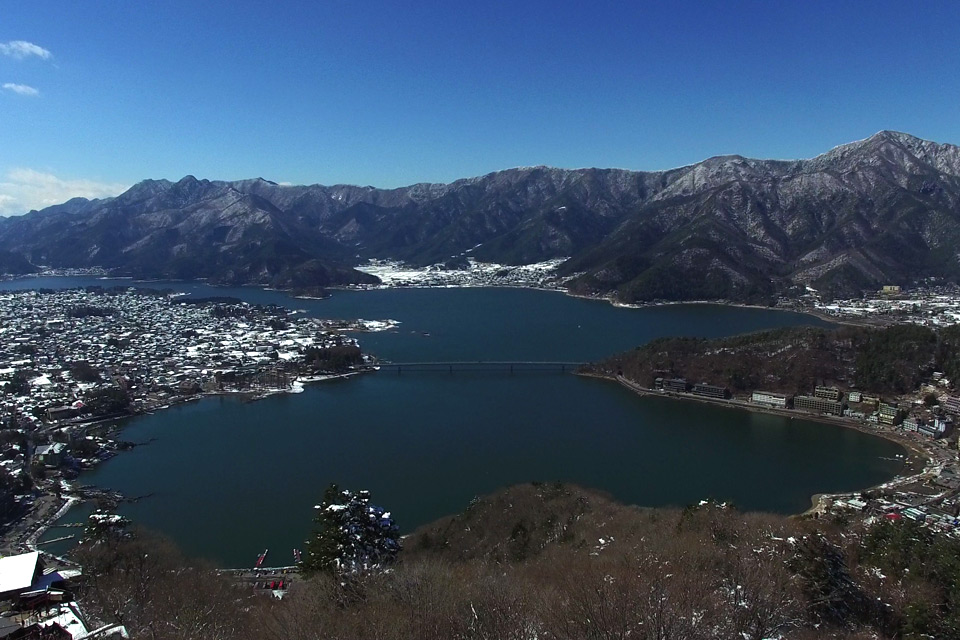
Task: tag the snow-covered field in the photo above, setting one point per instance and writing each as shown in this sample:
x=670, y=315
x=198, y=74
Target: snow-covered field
x=478, y=274
x=378, y=325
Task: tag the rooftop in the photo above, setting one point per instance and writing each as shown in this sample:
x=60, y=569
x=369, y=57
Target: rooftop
x=17, y=572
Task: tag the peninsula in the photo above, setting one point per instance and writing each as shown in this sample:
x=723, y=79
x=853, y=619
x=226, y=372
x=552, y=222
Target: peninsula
x=73, y=362
x=894, y=382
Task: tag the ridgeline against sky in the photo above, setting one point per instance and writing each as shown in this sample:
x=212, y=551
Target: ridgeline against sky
x=97, y=96
x=876, y=211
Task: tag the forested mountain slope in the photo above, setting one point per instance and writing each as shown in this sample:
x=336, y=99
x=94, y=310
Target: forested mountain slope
x=881, y=210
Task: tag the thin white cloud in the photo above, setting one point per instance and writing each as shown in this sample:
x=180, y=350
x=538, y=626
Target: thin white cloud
x=20, y=49
x=22, y=190
x=21, y=89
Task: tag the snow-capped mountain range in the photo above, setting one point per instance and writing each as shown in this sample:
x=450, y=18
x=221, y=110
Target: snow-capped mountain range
x=884, y=210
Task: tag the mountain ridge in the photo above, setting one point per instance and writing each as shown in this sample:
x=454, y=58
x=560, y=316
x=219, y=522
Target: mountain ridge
x=874, y=211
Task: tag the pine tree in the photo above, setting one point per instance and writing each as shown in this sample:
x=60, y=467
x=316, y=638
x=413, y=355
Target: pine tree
x=350, y=535
x=103, y=527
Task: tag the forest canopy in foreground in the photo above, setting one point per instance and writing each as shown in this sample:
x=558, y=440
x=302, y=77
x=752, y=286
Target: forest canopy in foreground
x=559, y=562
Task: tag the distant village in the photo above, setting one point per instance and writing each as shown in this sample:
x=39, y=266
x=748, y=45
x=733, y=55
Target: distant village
x=464, y=272
x=931, y=306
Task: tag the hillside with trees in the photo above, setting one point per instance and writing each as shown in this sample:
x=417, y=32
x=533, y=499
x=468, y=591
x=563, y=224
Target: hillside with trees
x=893, y=360
x=558, y=562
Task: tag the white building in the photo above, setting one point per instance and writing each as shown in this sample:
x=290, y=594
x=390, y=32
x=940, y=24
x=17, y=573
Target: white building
x=770, y=399
x=18, y=573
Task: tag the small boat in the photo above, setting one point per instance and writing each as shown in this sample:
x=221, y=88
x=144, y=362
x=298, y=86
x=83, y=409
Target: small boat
x=261, y=558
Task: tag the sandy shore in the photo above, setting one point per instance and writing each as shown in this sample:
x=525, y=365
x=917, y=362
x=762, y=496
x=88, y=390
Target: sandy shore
x=916, y=465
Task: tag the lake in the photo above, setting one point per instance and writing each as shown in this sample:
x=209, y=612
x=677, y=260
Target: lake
x=229, y=479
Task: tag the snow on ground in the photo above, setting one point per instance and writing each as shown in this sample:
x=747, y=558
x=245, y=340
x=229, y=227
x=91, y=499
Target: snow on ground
x=42, y=381
x=378, y=325
x=477, y=274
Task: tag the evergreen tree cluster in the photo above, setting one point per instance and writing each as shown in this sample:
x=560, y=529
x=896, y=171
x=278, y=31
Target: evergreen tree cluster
x=107, y=401
x=103, y=527
x=87, y=310
x=887, y=360
x=337, y=359
x=351, y=535
x=19, y=384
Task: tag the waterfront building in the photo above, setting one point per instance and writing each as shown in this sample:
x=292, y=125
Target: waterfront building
x=912, y=424
x=952, y=404
x=677, y=385
x=888, y=414
x=61, y=413
x=51, y=454
x=770, y=399
x=18, y=573
x=857, y=504
x=711, y=390
x=929, y=430
x=943, y=424
x=827, y=393
x=819, y=405
x=915, y=514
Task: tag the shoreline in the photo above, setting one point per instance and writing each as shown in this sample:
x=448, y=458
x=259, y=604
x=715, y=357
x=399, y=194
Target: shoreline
x=914, y=451
x=609, y=299
x=916, y=461
x=45, y=521
x=534, y=286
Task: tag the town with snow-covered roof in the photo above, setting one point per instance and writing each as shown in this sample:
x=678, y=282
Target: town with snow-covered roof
x=57, y=349
x=931, y=306
x=72, y=361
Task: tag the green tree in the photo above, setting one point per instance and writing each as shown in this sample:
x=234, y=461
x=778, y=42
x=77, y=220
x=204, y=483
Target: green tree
x=19, y=384
x=104, y=402
x=83, y=371
x=350, y=535
x=337, y=358
x=105, y=528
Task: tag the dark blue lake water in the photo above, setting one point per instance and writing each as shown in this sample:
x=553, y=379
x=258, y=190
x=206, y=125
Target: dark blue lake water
x=230, y=478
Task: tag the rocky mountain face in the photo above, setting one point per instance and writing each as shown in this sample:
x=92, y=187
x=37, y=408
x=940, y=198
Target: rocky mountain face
x=877, y=211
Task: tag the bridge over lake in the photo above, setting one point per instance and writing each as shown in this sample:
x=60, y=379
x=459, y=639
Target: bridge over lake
x=511, y=366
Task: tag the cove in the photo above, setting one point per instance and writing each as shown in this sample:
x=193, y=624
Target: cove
x=229, y=479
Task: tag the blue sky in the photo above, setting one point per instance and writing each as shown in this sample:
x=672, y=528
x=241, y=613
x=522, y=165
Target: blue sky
x=392, y=93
